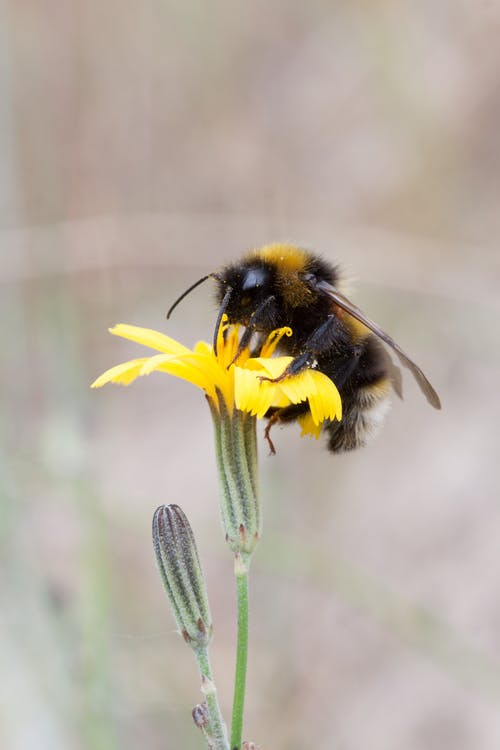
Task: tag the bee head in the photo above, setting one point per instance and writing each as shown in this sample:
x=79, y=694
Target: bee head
x=243, y=289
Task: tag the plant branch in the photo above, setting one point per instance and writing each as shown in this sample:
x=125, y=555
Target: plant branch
x=217, y=726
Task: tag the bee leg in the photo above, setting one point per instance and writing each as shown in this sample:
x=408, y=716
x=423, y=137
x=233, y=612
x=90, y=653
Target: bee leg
x=320, y=340
x=244, y=342
x=275, y=417
x=304, y=360
x=283, y=415
x=252, y=326
x=329, y=334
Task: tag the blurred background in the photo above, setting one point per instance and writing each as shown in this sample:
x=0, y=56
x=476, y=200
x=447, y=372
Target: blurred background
x=143, y=145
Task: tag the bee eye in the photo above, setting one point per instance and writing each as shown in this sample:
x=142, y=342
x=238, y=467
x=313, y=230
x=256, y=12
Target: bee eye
x=255, y=277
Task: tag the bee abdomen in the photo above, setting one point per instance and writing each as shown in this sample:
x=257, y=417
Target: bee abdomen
x=364, y=413
x=365, y=399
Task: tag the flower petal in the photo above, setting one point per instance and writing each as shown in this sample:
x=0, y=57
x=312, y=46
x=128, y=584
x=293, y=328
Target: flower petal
x=122, y=374
x=309, y=427
x=250, y=386
x=255, y=395
x=149, y=337
x=175, y=366
x=246, y=390
x=269, y=368
x=324, y=401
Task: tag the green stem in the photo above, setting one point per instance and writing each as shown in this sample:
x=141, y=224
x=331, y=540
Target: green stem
x=217, y=726
x=236, y=452
x=241, y=571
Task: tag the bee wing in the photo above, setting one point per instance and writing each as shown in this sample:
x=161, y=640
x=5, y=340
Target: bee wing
x=339, y=299
x=395, y=376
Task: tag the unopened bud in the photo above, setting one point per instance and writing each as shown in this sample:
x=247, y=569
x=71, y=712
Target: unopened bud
x=236, y=451
x=180, y=570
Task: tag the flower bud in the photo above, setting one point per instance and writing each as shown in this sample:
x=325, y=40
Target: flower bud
x=236, y=450
x=180, y=570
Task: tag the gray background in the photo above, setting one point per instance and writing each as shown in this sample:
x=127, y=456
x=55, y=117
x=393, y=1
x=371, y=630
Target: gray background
x=143, y=145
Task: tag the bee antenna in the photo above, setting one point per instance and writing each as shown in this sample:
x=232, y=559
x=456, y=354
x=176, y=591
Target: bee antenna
x=222, y=310
x=184, y=294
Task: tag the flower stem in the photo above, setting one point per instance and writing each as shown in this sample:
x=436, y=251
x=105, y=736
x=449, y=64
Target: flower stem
x=217, y=726
x=241, y=572
x=241, y=515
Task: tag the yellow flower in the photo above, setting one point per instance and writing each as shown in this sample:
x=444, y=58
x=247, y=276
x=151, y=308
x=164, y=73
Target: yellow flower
x=241, y=385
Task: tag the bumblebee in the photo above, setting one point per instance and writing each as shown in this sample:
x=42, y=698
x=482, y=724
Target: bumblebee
x=283, y=285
